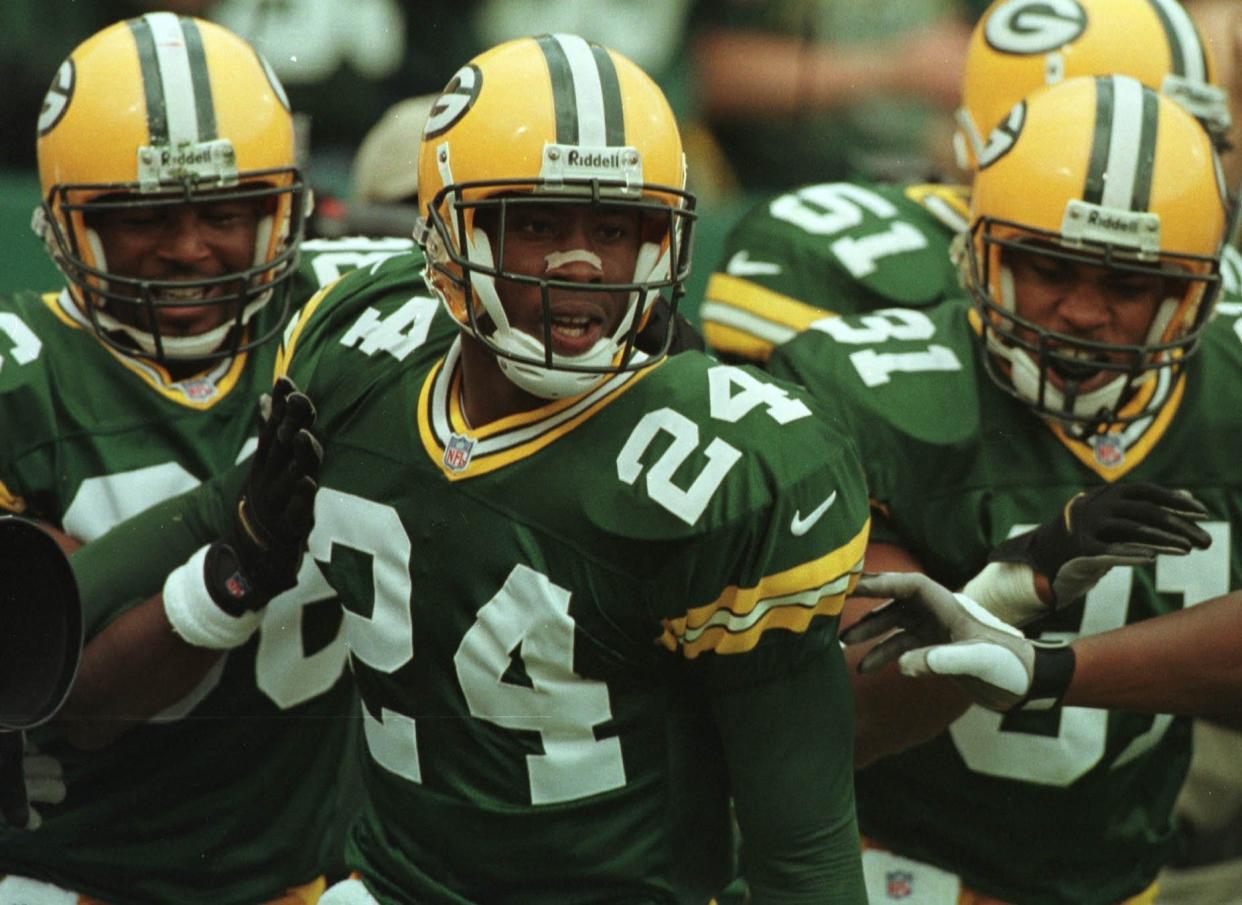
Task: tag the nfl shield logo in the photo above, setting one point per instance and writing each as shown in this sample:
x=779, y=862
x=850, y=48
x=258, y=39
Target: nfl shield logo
x=198, y=390
x=457, y=453
x=1108, y=450
x=898, y=884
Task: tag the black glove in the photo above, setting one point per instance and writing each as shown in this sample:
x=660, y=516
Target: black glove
x=939, y=633
x=685, y=336
x=260, y=556
x=1114, y=525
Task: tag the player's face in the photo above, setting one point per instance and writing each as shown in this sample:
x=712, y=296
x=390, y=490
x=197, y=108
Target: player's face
x=180, y=243
x=572, y=242
x=1088, y=302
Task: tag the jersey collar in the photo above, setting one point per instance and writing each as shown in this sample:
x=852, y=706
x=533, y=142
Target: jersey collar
x=201, y=391
x=461, y=451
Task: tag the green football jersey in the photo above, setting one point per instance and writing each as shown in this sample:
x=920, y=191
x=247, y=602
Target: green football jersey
x=229, y=796
x=841, y=248
x=541, y=611
x=828, y=249
x=1071, y=805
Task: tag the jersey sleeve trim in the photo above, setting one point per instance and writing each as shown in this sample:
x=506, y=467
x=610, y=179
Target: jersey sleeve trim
x=950, y=204
x=734, y=622
x=752, y=317
x=11, y=502
x=284, y=355
x=53, y=302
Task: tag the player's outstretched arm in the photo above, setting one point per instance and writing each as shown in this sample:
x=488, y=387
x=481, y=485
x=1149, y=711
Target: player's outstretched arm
x=1185, y=662
x=155, y=653
x=215, y=599
x=1053, y=565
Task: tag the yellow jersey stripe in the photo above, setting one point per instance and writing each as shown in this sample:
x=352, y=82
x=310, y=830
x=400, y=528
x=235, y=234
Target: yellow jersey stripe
x=738, y=343
x=766, y=306
x=734, y=622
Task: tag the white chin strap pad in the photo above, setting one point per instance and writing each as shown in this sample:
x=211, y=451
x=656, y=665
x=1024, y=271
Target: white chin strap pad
x=182, y=348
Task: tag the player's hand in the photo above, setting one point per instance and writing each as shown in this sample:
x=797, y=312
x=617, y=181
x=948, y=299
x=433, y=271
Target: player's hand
x=1114, y=525
x=938, y=633
x=261, y=555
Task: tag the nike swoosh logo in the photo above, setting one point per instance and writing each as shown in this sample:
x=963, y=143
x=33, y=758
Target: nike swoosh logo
x=740, y=265
x=800, y=526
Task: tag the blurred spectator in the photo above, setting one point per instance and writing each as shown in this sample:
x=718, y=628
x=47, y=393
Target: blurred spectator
x=801, y=91
x=1210, y=805
x=383, y=196
x=1220, y=23
x=383, y=173
x=649, y=32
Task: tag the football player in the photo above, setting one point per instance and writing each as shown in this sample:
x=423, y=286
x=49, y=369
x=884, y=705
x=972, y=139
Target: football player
x=174, y=208
x=844, y=247
x=555, y=704
x=1093, y=262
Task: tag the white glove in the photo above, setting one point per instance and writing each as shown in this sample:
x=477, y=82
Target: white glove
x=940, y=633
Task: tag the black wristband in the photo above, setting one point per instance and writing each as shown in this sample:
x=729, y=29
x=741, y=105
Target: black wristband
x=1054, y=668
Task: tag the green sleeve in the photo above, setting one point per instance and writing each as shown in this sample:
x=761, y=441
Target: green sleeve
x=129, y=563
x=789, y=744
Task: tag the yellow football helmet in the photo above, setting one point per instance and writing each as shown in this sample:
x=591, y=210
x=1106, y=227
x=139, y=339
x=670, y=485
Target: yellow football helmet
x=163, y=110
x=550, y=119
x=1104, y=172
x=1020, y=45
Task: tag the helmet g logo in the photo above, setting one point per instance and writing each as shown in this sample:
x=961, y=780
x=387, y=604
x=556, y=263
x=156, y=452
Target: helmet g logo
x=1002, y=139
x=1034, y=26
x=457, y=98
x=56, y=102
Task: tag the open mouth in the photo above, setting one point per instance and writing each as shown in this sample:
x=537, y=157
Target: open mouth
x=1081, y=368
x=575, y=333
x=578, y=323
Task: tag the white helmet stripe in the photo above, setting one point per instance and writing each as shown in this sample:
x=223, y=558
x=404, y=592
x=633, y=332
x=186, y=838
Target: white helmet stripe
x=175, y=75
x=1123, y=151
x=1188, y=58
x=588, y=91
x=174, y=70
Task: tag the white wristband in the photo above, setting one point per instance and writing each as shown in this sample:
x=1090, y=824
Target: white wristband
x=1007, y=590
x=196, y=617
